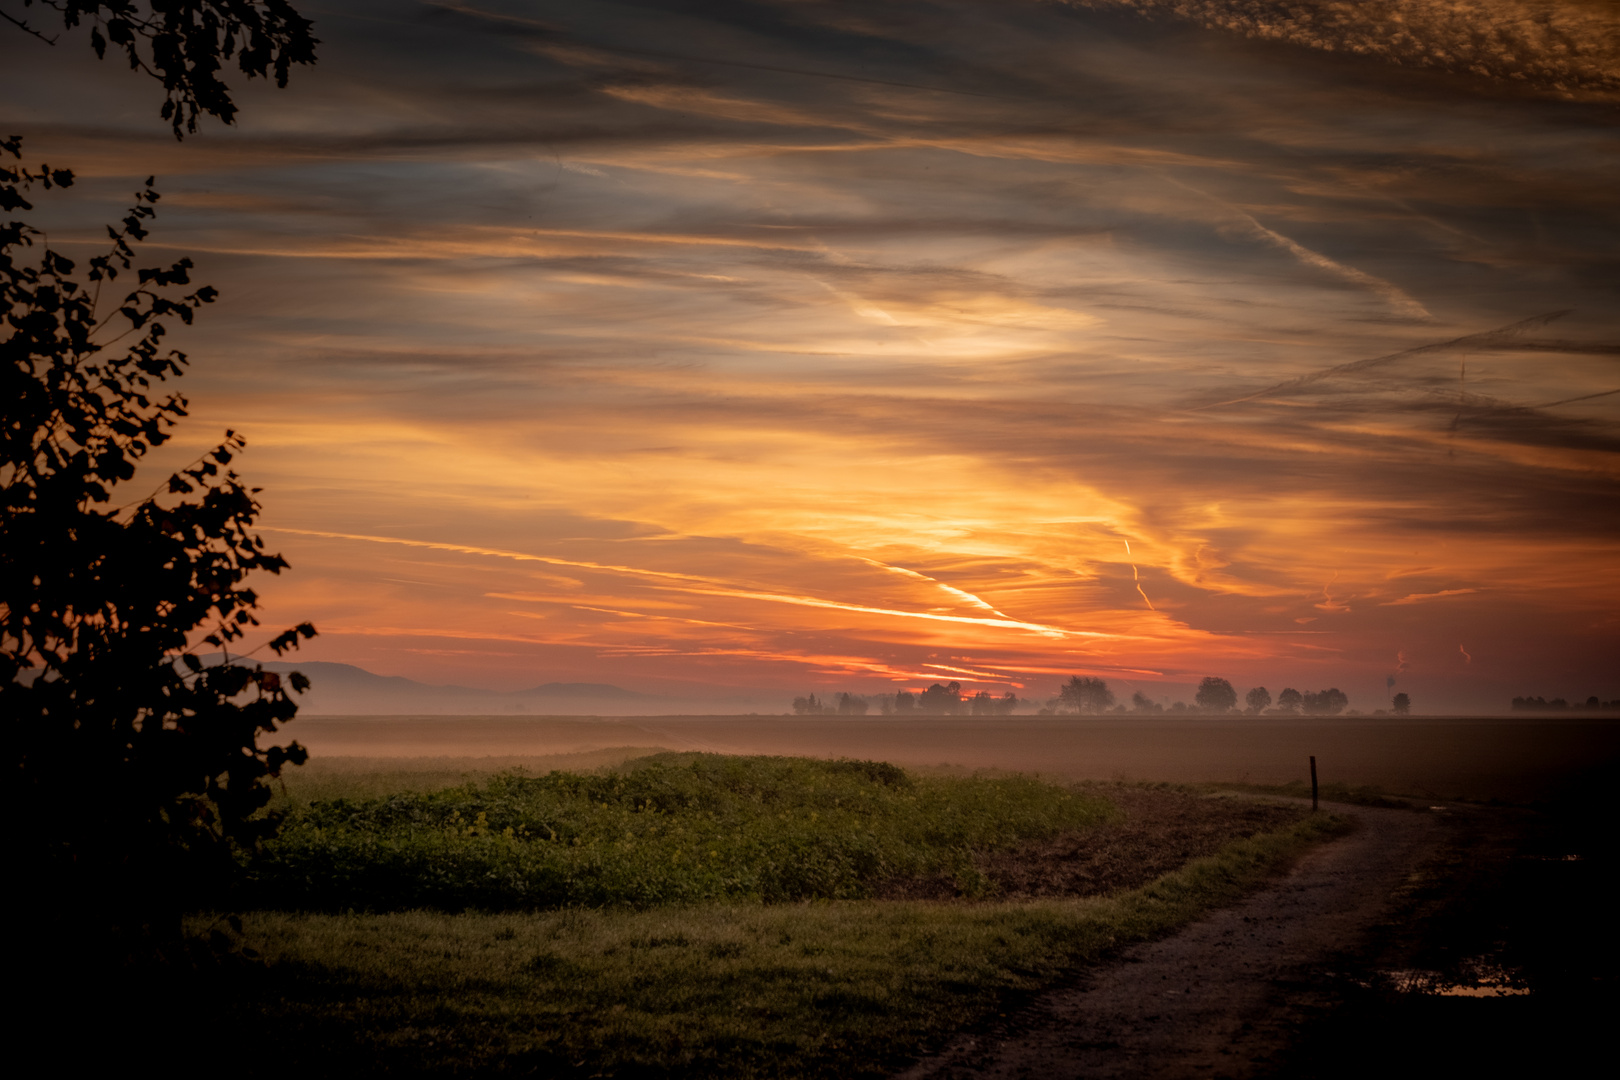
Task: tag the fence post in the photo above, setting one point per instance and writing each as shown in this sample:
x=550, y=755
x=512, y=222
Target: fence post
x=1313, y=782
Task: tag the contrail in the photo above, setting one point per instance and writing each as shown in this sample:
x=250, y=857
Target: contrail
x=1570, y=400
x=1392, y=294
x=689, y=583
x=1485, y=338
x=1137, y=577
x=1396, y=297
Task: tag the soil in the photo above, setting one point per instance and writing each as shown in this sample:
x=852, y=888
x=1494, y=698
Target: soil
x=1314, y=976
x=1158, y=831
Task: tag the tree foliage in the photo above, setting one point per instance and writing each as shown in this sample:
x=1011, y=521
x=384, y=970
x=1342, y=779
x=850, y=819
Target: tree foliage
x=1402, y=704
x=1258, y=700
x=941, y=700
x=1084, y=694
x=1215, y=695
x=184, y=44
x=147, y=758
x=1330, y=702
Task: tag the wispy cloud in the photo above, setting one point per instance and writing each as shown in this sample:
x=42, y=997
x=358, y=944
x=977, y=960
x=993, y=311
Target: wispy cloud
x=791, y=345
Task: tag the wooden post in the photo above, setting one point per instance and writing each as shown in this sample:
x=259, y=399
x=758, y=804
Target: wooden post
x=1313, y=782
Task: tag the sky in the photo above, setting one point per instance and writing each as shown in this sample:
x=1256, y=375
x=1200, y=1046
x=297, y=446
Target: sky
x=758, y=347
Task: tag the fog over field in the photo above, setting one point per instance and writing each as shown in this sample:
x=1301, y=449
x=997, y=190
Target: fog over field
x=1440, y=758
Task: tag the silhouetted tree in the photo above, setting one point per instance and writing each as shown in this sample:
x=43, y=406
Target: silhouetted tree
x=941, y=700
x=985, y=704
x=1330, y=702
x=146, y=758
x=1215, y=695
x=1141, y=703
x=809, y=705
x=1084, y=694
x=851, y=705
x=1402, y=704
x=1290, y=700
x=905, y=702
x=184, y=44
x=1258, y=700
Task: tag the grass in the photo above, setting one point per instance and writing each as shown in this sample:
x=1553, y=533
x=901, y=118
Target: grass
x=325, y=778
x=1328, y=792
x=669, y=828
x=820, y=989
x=677, y=915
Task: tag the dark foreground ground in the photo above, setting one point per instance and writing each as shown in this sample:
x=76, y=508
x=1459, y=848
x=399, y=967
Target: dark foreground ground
x=1479, y=939
x=1520, y=898
x=1464, y=941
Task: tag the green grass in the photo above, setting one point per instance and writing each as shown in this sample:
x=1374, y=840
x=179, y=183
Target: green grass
x=821, y=989
x=1329, y=792
x=665, y=829
x=324, y=778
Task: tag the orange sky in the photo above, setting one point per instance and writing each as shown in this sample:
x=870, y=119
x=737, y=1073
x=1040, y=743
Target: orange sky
x=811, y=347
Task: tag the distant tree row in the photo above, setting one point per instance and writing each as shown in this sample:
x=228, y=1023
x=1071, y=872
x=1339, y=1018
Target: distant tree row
x=1087, y=695
x=940, y=699
x=1536, y=704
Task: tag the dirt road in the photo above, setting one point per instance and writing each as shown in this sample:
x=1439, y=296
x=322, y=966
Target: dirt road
x=1226, y=996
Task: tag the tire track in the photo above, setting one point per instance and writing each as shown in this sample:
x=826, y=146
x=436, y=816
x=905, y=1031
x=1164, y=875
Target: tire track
x=1224, y=996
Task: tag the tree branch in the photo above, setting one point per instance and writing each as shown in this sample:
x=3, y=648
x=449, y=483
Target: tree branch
x=25, y=28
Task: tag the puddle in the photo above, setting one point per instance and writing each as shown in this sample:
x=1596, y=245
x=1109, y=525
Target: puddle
x=1474, y=979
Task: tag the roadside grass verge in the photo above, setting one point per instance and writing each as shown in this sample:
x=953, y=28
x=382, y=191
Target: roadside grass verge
x=1348, y=794
x=818, y=989
x=666, y=829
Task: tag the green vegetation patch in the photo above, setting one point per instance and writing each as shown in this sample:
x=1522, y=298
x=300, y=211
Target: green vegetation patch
x=823, y=989
x=666, y=829
x=1329, y=792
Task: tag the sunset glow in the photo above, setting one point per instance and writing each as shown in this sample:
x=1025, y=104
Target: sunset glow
x=796, y=347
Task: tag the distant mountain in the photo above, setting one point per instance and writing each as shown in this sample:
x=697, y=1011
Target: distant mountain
x=347, y=690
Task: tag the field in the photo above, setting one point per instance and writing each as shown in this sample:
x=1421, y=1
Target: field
x=697, y=915
x=440, y=904
x=1479, y=758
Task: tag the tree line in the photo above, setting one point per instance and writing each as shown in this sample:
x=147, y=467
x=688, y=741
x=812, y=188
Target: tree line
x=940, y=699
x=1558, y=704
x=1089, y=695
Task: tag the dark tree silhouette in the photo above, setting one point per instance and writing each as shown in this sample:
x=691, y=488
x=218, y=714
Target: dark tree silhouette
x=1258, y=700
x=1329, y=702
x=1402, y=704
x=1141, y=703
x=184, y=44
x=1215, y=695
x=851, y=705
x=986, y=704
x=147, y=758
x=905, y=701
x=1084, y=694
x=1290, y=700
x=941, y=700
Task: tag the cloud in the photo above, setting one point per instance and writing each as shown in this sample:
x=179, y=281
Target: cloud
x=895, y=375
x=1419, y=598
x=1566, y=47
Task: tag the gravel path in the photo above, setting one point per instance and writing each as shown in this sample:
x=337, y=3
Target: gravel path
x=1226, y=995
